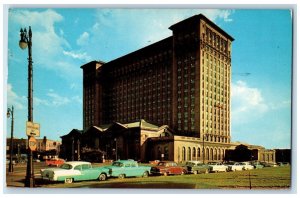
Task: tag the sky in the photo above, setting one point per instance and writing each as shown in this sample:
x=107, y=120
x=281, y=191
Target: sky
x=64, y=39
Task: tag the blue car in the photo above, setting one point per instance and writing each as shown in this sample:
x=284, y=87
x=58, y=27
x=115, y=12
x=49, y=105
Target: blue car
x=128, y=168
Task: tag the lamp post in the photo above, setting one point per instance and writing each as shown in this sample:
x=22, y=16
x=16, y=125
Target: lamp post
x=73, y=149
x=23, y=43
x=78, y=150
x=116, y=149
x=11, y=111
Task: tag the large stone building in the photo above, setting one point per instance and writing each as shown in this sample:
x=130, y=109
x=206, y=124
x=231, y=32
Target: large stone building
x=181, y=82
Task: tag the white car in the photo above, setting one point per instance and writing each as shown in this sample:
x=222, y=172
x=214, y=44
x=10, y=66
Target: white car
x=237, y=166
x=247, y=166
x=217, y=167
x=75, y=171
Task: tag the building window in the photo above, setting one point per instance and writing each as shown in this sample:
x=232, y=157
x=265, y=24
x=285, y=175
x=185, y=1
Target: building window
x=183, y=154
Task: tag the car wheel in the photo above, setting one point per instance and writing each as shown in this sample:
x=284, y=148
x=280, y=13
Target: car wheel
x=68, y=180
x=122, y=176
x=102, y=177
x=183, y=172
x=195, y=172
x=146, y=174
x=165, y=173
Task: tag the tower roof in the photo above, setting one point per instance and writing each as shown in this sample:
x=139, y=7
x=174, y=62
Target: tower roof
x=198, y=18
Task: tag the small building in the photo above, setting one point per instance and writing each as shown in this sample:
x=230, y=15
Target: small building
x=140, y=141
x=246, y=152
x=45, y=148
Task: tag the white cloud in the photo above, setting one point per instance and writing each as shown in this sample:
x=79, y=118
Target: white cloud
x=247, y=103
x=80, y=56
x=56, y=100
x=14, y=99
x=214, y=14
x=48, y=42
x=77, y=99
x=282, y=104
x=117, y=28
x=83, y=39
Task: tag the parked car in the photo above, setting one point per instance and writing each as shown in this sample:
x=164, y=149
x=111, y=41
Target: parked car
x=196, y=167
x=55, y=162
x=247, y=166
x=154, y=162
x=128, y=168
x=236, y=166
x=283, y=164
x=257, y=165
x=75, y=171
x=168, y=168
x=217, y=167
x=269, y=164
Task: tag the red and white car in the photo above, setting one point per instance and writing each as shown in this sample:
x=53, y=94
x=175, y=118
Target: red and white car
x=168, y=168
x=55, y=162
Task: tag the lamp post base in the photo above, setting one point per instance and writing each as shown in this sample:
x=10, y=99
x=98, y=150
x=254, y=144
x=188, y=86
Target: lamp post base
x=10, y=167
x=29, y=182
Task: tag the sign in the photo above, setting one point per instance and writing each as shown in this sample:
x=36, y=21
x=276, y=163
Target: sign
x=32, y=129
x=32, y=143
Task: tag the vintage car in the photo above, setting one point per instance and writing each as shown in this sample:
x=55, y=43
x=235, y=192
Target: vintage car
x=128, y=168
x=54, y=162
x=257, y=165
x=247, y=166
x=236, y=166
x=154, y=162
x=168, y=168
x=217, y=167
x=283, y=164
x=196, y=167
x=75, y=171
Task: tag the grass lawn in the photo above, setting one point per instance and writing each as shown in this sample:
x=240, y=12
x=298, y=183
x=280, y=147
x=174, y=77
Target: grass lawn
x=266, y=178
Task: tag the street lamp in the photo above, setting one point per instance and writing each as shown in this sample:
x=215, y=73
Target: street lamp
x=78, y=150
x=23, y=43
x=11, y=111
x=116, y=149
x=73, y=149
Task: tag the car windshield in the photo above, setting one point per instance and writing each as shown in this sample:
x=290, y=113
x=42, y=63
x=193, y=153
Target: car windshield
x=161, y=164
x=119, y=164
x=190, y=164
x=66, y=166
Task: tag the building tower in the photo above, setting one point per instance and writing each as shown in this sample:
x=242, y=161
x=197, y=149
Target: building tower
x=182, y=81
x=201, y=78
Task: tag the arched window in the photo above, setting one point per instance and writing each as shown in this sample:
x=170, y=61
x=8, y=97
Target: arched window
x=178, y=154
x=211, y=154
x=215, y=154
x=198, y=152
x=166, y=153
x=183, y=154
x=207, y=154
x=194, y=152
x=220, y=154
x=189, y=154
